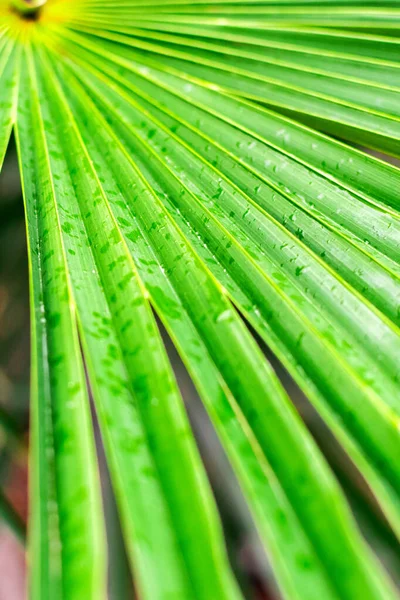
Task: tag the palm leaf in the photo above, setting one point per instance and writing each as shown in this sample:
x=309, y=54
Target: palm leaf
x=169, y=172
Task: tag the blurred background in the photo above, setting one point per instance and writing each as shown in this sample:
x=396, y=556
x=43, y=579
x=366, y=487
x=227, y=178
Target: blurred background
x=249, y=562
x=14, y=381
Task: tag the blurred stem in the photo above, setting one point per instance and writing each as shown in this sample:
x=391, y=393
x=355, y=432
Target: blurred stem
x=12, y=519
x=27, y=7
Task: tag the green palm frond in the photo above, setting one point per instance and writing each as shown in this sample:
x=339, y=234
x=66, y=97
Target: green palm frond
x=177, y=165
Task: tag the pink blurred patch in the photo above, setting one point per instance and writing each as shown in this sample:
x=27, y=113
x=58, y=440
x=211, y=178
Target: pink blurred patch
x=12, y=554
x=12, y=567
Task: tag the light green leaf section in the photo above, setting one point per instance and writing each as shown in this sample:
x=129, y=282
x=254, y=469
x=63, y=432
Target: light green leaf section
x=275, y=430
x=360, y=94
x=347, y=101
x=66, y=546
x=326, y=99
x=343, y=68
x=166, y=505
x=161, y=184
x=332, y=337
x=361, y=173
x=151, y=134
